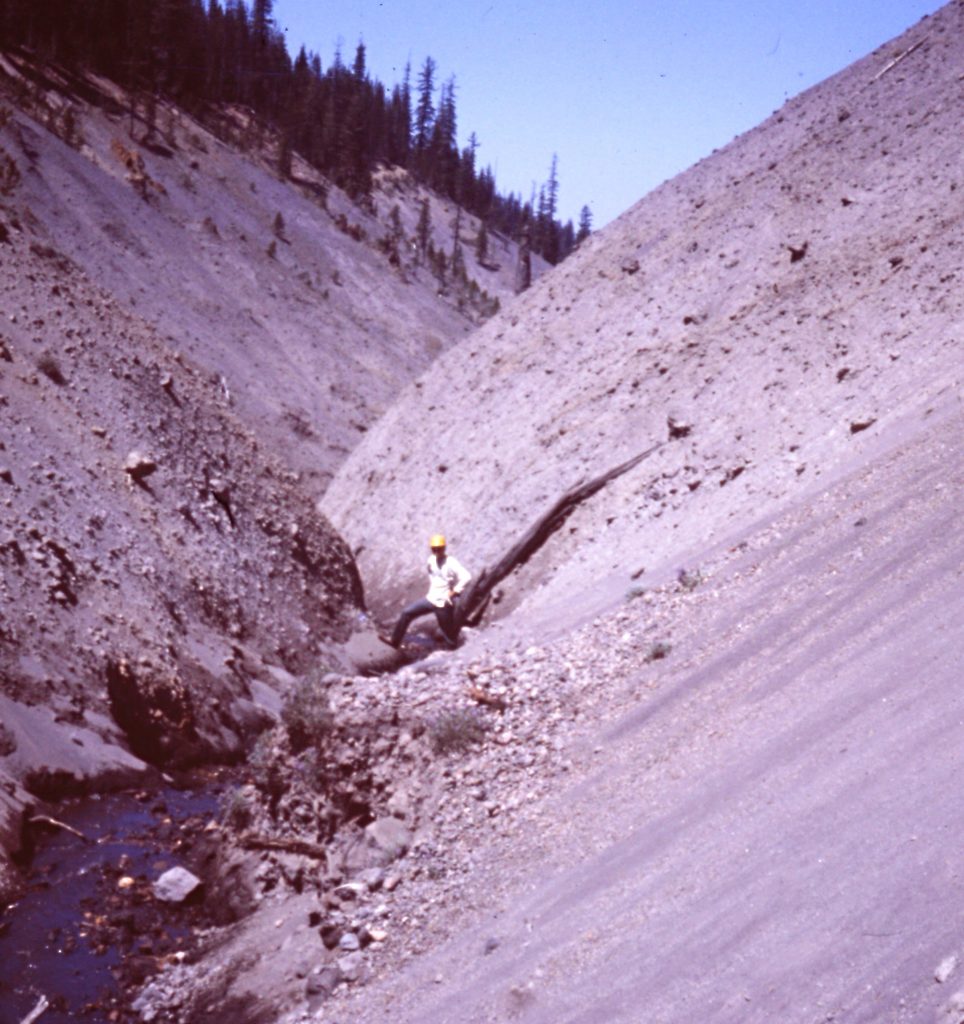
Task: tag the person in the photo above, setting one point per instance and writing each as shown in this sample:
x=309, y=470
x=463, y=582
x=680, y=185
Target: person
x=447, y=579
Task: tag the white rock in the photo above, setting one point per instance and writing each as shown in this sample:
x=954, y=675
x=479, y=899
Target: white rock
x=176, y=885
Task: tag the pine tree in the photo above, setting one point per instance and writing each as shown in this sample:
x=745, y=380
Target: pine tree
x=523, y=270
x=285, y=154
x=465, y=186
x=424, y=112
x=458, y=259
x=585, y=225
x=358, y=69
x=482, y=244
x=423, y=230
x=443, y=161
x=550, y=241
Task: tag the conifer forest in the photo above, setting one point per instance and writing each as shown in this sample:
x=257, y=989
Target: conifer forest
x=339, y=118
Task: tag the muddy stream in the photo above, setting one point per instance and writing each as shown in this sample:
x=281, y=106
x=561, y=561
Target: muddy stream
x=89, y=924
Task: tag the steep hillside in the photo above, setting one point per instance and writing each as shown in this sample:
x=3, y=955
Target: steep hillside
x=313, y=310
x=756, y=826
x=162, y=574
x=189, y=347
x=768, y=318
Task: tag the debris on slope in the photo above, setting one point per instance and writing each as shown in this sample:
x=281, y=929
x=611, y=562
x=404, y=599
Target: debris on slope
x=161, y=573
x=522, y=826
x=361, y=840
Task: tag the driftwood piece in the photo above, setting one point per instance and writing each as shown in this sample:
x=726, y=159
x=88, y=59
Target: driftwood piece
x=42, y=1005
x=475, y=597
x=900, y=56
x=480, y=696
x=43, y=819
x=299, y=846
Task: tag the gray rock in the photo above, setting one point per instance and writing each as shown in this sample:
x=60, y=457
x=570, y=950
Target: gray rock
x=862, y=423
x=349, y=942
x=953, y=1010
x=354, y=968
x=400, y=804
x=945, y=969
x=351, y=891
x=372, y=878
x=389, y=839
x=678, y=426
x=176, y=885
x=139, y=466
x=323, y=980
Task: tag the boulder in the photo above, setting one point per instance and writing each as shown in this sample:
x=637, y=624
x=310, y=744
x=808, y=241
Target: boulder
x=353, y=967
x=322, y=981
x=177, y=885
x=388, y=839
x=139, y=466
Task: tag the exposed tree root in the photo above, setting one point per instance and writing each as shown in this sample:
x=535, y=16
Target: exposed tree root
x=476, y=596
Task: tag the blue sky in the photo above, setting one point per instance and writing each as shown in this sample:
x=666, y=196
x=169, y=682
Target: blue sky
x=627, y=94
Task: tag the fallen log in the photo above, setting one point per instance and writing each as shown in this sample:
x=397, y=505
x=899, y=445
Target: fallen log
x=883, y=71
x=475, y=598
x=299, y=846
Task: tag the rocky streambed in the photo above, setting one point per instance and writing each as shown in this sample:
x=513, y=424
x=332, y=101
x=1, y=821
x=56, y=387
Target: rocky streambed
x=100, y=911
x=357, y=841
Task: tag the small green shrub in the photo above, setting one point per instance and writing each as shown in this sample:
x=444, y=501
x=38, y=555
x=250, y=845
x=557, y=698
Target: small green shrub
x=306, y=715
x=456, y=731
x=8, y=742
x=10, y=176
x=237, y=809
x=689, y=581
x=266, y=768
x=635, y=592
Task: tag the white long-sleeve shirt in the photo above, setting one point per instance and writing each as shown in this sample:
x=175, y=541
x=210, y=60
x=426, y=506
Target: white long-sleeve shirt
x=445, y=579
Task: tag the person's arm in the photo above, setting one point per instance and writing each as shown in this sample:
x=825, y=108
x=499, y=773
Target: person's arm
x=462, y=577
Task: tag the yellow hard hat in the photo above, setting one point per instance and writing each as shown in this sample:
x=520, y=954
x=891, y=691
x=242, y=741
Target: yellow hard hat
x=437, y=540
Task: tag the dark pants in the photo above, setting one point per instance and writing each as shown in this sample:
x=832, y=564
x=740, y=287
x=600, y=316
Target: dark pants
x=445, y=616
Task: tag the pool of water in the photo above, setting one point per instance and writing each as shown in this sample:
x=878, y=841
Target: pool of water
x=89, y=919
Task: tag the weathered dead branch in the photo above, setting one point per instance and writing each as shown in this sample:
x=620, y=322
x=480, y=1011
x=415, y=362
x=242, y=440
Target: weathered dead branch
x=43, y=819
x=481, y=696
x=42, y=1005
x=900, y=56
x=475, y=597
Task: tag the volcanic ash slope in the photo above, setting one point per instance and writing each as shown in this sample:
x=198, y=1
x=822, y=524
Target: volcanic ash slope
x=161, y=574
x=791, y=302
